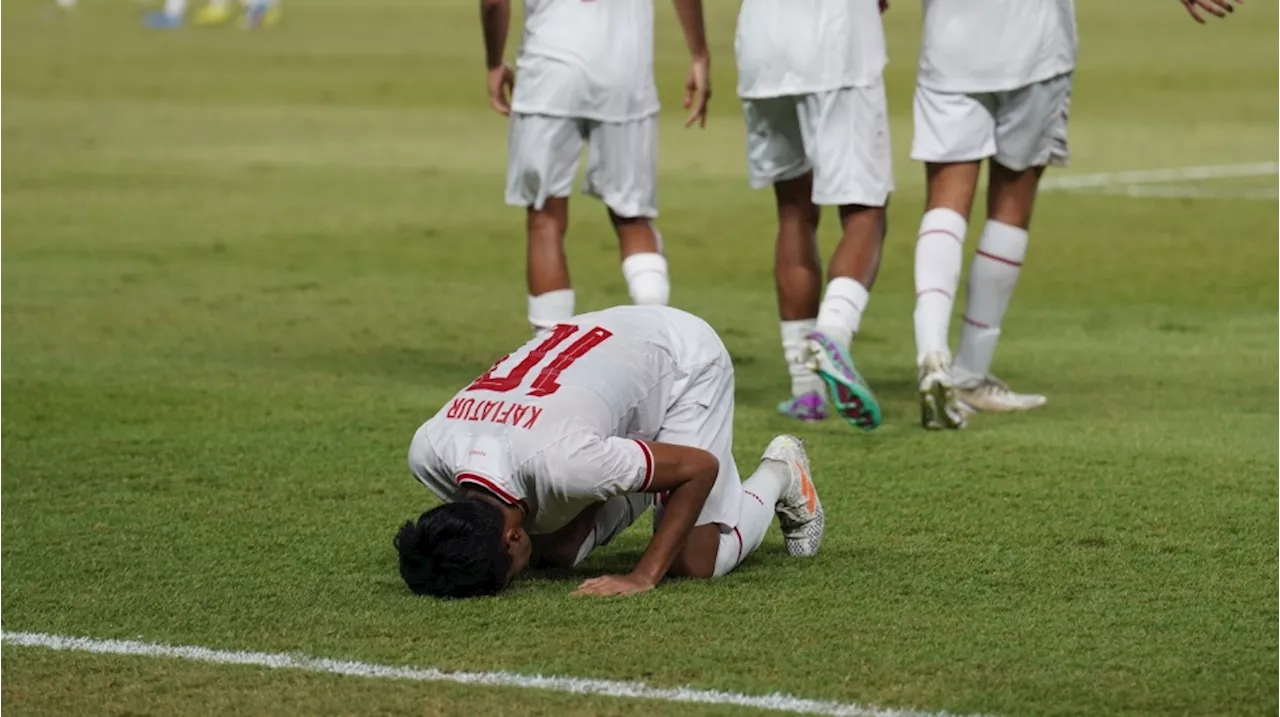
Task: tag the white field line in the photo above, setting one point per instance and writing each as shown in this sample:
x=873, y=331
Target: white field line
x=571, y=685
x=1149, y=176
x=1184, y=192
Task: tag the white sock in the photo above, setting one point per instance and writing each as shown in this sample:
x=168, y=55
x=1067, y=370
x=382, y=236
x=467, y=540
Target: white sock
x=646, y=276
x=939, y=247
x=547, y=310
x=841, y=309
x=992, y=277
x=760, y=495
x=803, y=380
x=175, y=8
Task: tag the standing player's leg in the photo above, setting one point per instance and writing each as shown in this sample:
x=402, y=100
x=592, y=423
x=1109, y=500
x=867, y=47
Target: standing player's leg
x=622, y=167
x=797, y=272
x=953, y=134
x=846, y=137
x=542, y=160
x=776, y=157
x=1031, y=132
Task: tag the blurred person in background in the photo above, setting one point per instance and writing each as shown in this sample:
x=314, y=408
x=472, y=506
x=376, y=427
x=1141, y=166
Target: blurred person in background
x=256, y=14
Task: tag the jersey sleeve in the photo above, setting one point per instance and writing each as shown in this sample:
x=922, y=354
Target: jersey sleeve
x=427, y=466
x=591, y=467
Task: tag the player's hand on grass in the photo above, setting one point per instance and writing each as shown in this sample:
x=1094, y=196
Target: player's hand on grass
x=1217, y=8
x=610, y=585
x=501, y=82
x=697, y=91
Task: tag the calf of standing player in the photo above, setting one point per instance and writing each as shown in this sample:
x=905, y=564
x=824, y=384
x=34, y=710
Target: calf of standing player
x=810, y=79
x=570, y=438
x=994, y=84
x=585, y=75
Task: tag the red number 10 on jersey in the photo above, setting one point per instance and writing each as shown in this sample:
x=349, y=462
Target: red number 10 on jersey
x=546, y=382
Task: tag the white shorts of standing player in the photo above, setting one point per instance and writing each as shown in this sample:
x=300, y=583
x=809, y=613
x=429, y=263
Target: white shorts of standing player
x=622, y=162
x=1021, y=128
x=841, y=135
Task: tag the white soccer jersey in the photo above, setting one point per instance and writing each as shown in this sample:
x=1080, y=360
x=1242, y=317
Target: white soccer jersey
x=797, y=47
x=590, y=59
x=995, y=45
x=556, y=425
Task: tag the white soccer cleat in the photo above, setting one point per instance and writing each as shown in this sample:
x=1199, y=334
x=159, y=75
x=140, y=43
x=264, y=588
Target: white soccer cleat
x=991, y=395
x=799, y=511
x=939, y=406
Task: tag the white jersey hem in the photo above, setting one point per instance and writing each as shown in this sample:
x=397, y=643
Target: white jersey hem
x=874, y=81
x=590, y=116
x=975, y=88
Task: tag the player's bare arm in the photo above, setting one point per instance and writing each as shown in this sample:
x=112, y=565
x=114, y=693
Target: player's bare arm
x=1217, y=8
x=688, y=474
x=495, y=18
x=697, y=87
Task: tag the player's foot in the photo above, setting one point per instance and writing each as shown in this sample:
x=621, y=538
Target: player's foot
x=850, y=394
x=260, y=15
x=212, y=15
x=799, y=511
x=939, y=408
x=162, y=21
x=809, y=407
x=991, y=395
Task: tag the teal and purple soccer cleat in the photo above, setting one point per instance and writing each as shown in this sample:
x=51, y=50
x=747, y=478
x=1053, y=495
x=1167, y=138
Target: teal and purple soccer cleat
x=849, y=393
x=808, y=407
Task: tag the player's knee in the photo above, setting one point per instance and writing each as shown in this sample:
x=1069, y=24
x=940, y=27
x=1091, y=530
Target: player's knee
x=683, y=567
x=701, y=554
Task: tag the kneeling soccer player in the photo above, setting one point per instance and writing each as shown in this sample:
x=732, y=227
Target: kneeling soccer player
x=567, y=440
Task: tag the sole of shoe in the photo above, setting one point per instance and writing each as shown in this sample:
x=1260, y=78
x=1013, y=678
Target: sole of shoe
x=939, y=409
x=852, y=400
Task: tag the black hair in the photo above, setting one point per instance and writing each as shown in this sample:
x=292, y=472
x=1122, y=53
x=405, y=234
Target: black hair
x=455, y=550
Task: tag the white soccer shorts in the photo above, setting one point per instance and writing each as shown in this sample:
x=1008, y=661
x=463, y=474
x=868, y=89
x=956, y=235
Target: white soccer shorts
x=1021, y=128
x=622, y=162
x=842, y=136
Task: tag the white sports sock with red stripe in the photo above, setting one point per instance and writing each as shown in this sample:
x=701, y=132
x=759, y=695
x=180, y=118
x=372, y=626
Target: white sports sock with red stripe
x=992, y=277
x=939, y=249
x=840, y=313
x=760, y=495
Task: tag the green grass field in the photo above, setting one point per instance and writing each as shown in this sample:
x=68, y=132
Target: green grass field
x=242, y=269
